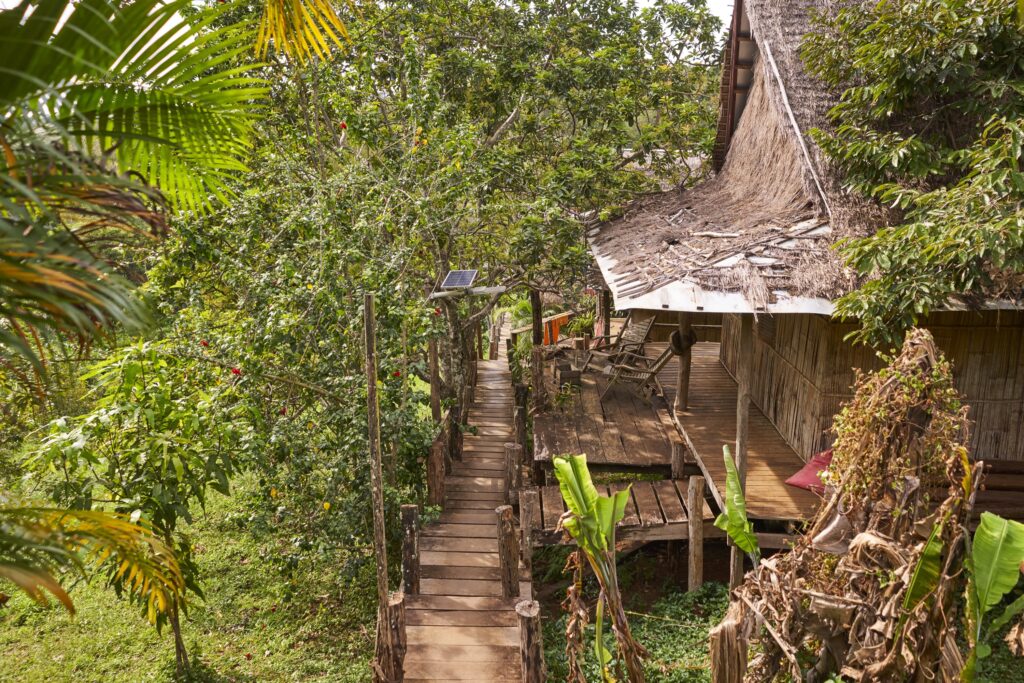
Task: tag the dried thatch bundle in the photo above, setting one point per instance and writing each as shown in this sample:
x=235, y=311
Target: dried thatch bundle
x=848, y=597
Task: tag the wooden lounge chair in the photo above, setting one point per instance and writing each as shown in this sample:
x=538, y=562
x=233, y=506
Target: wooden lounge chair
x=639, y=371
x=630, y=339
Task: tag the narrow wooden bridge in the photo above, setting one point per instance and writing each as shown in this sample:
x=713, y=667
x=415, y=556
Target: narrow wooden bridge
x=462, y=622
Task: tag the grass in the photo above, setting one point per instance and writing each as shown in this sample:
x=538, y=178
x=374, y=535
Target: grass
x=256, y=624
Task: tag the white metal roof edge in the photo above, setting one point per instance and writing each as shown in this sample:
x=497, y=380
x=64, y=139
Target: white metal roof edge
x=688, y=296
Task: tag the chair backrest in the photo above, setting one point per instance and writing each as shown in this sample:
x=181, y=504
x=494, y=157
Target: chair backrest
x=661, y=361
x=638, y=328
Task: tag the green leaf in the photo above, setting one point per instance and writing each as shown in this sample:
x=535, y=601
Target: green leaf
x=926, y=573
x=733, y=520
x=996, y=554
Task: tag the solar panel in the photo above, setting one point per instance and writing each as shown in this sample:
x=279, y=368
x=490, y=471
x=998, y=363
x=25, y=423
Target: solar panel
x=458, y=279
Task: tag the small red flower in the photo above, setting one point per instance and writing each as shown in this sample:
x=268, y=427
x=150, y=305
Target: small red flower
x=396, y=373
x=204, y=343
x=283, y=411
x=248, y=655
x=343, y=126
x=437, y=311
x=236, y=371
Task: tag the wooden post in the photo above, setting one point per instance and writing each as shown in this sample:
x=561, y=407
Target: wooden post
x=529, y=511
x=520, y=393
x=479, y=341
x=540, y=400
x=513, y=458
x=435, y=380
x=437, y=466
x=530, y=644
x=508, y=552
x=745, y=363
x=396, y=627
x=678, y=460
x=410, y=550
x=605, y=303
x=695, y=505
x=683, y=377
x=376, y=478
x=537, y=313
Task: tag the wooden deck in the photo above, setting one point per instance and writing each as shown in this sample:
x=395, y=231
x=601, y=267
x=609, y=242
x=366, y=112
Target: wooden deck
x=710, y=421
x=621, y=432
x=656, y=511
x=459, y=628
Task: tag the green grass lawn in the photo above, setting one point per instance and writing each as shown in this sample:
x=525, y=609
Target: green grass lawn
x=255, y=625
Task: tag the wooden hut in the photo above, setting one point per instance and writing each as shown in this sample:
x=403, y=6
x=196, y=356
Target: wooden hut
x=750, y=251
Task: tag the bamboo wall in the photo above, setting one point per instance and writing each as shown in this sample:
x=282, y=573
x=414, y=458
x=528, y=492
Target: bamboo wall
x=804, y=371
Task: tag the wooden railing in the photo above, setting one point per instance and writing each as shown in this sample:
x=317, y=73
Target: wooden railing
x=445, y=448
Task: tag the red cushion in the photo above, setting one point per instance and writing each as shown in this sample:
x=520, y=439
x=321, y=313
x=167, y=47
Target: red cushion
x=809, y=476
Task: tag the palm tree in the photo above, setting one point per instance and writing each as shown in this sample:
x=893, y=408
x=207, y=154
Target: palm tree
x=111, y=115
x=38, y=543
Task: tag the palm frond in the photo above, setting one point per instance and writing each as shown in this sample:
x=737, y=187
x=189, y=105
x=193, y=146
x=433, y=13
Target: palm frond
x=107, y=120
x=300, y=29
x=37, y=543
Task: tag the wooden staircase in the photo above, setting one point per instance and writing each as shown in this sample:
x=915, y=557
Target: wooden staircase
x=459, y=627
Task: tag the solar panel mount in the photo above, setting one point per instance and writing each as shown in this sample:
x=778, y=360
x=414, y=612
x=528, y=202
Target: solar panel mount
x=458, y=279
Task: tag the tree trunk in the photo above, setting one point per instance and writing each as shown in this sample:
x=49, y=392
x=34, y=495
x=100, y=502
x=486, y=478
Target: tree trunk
x=537, y=311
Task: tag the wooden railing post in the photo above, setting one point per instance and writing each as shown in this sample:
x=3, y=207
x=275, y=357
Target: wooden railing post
x=513, y=471
x=695, y=561
x=531, y=645
x=678, y=460
x=454, y=433
x=436, y=469
x=508, y=552
x=399, y=642
x=529, y=511
x=410, y=549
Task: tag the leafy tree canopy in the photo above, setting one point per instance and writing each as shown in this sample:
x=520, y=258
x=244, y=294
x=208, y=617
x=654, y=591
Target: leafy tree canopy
x=931, y=124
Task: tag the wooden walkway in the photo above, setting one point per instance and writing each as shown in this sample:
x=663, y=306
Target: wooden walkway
x=656, y=511
x=710, y=421
x=459, y=627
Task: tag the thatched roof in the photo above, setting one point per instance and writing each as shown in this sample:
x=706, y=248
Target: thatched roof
x=758, y=235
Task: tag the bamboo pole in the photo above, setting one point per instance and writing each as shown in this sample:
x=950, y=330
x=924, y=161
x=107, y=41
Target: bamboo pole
x=745, y=363
x=377, y=484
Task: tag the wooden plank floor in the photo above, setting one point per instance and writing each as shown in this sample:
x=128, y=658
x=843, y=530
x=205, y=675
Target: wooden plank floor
x=656, y=511
x=460, y=628
x=620, y=432
x=710, y=422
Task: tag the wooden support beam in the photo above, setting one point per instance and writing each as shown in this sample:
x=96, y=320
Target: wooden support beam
x=537, y=313
x=529, y=512
x=479, y=341
x=678, y=460
x=513, y=471
x=437, y=467
x=605, y=303
x=385, y=646
x=508, y=551
x=744, y=369
x=695, y=532
x=540, y=399
x=531, y=644
x=435, y=380
x=683, y=377
x=410, y=549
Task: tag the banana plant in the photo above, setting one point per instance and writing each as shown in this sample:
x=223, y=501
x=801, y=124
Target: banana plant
x=590, y=520
x=733, y=520
x=994, y=568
